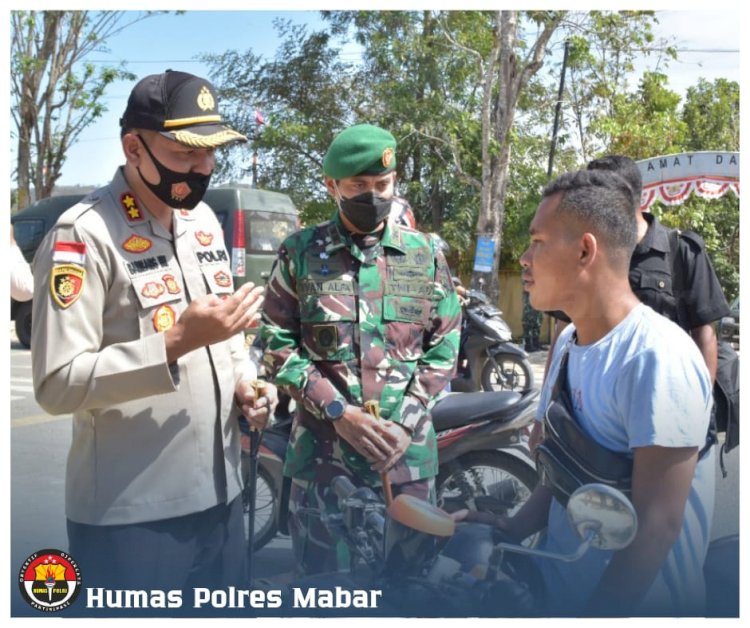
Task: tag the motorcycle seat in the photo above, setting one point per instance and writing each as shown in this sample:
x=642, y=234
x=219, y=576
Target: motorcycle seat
x=460, y=409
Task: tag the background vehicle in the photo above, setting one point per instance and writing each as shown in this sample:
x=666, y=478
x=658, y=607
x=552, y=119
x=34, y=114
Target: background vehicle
x=29, y=228
x=258, y=219
x=487, y=359
x=267, y=218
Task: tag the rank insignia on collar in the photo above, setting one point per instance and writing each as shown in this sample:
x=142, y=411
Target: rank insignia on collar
x=164, y=318
x=171, y=283
x=204, y=238
x=66, y=284
x=223, y=279
x=136, y=244
x=132, y=211
x=152, y=290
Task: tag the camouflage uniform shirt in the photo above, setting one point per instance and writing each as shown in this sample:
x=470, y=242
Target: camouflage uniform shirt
x=359, y=318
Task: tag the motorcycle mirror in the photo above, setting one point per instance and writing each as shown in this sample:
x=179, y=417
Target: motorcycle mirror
x=420, y=515
x=604, y=511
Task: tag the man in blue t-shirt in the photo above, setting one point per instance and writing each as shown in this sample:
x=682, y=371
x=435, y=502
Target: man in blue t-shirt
x=638, y=389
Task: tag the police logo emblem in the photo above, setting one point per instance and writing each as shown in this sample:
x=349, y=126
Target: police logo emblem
x=205, y=99
x=66, y=284
x=164, y=318
x=326, y=336
x=179, y=191
x=50, y=580
x=387, y=157
x=136, y=244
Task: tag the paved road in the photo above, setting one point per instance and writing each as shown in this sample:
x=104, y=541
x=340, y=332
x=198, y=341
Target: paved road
x=39, y=444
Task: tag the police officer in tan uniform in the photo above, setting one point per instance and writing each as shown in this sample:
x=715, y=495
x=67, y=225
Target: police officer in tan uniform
x=137, y=332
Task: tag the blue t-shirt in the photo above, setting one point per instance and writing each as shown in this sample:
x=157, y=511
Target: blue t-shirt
x=644, y=383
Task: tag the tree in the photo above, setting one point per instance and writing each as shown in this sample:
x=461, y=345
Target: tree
x=55, y=94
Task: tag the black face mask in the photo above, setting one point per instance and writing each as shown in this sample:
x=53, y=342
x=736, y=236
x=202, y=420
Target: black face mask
x=365, y=211
x=177, y=189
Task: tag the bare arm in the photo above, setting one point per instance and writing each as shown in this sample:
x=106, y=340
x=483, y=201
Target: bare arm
x=705, y=337
x=661, y=483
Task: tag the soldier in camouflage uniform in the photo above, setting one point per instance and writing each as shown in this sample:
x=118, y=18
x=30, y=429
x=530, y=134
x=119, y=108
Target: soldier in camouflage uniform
x=358, y=308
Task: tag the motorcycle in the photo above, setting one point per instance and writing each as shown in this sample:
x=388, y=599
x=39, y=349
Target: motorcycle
x=482, y=451
x=425, y=569
x=487, y=359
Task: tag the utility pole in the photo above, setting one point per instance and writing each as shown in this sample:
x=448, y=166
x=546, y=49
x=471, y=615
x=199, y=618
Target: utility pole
x=558, y=108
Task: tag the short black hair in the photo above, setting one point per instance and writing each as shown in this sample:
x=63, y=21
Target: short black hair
x=626, y=168
x=603, y=202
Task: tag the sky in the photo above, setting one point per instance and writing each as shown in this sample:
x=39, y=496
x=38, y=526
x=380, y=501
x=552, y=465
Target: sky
x=147, y=49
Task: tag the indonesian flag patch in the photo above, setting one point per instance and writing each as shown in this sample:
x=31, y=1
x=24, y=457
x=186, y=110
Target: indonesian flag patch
x=69, y=253
x=66, y=283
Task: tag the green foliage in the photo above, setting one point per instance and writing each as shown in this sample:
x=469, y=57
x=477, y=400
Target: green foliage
x=420, y=74
x=55, y=92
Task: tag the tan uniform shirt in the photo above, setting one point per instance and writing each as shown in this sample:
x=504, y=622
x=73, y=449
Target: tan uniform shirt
x=150, y=441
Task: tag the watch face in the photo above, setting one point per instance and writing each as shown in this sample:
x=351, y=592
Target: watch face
x=334, y=410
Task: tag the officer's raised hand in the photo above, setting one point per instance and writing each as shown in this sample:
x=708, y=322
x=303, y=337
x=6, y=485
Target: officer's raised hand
x=210, y=319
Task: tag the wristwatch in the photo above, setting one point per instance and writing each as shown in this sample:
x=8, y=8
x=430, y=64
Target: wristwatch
x=334, y=410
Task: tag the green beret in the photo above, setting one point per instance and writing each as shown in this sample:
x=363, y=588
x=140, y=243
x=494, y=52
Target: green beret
x=360, y=149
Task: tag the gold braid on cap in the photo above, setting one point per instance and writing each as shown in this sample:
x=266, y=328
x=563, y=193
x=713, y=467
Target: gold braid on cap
x=207, y=141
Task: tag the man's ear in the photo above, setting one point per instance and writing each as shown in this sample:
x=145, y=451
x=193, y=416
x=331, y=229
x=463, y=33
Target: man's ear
x=588, y=250
x=330, y=186
x=131, y=146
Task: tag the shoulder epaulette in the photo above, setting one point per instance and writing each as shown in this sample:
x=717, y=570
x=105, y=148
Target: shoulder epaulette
x=69, y=216
x=692, y=238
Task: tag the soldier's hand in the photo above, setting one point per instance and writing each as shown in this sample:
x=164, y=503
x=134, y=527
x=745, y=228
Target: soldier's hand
x=402, y=441
x=209, y=319
x=257, y=409
x=366, y=434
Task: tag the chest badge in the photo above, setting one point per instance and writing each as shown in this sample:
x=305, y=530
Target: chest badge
x=136, y=244
x=164, y=318
x=66, y=284
x=204, y=239
x=171, y=283
x=152, y=290
x=223, y=279
x=132, y=211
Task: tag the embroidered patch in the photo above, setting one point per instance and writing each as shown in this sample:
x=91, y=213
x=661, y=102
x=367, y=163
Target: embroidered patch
x=179, y=191
x=326, y=336
x=132, y=211
x=164, y=318
x=66, y=284
x=69, y=253
x=137, y=244
x=204, y=238
x=152, y=290
x=387, y=157
x=223, y=279
x=171, y=283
